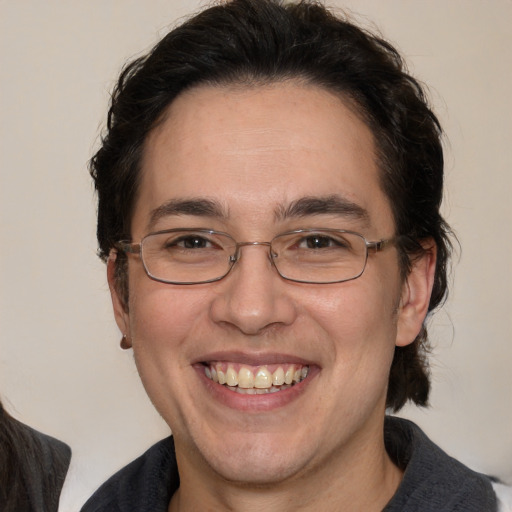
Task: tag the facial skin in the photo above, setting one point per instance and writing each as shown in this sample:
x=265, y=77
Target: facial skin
x=254, y=153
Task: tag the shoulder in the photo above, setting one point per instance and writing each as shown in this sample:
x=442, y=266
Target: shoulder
x=432, y=479
x=50, y=452
x=33, y=466
x=147, y=483
x=56, y=454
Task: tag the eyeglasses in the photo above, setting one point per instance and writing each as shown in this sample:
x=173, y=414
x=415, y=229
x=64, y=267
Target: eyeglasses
x=194, y=256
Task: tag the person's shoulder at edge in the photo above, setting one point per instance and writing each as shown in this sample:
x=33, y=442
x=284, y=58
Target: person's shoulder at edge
x=147, y=483
x=431, y=476
x=36, y=466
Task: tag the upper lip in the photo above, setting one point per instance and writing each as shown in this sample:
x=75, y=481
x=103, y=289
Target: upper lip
x=252, y=358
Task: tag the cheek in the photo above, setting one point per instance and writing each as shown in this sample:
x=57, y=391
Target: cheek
x=355, y=310
x=358, y=328
x=166, y=324
x=163, y=317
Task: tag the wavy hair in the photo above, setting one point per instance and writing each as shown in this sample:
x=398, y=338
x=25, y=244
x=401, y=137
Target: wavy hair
x=252, y=42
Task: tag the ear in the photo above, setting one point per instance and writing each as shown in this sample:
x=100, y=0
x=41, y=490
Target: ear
x=415, y=297
x=118, y=301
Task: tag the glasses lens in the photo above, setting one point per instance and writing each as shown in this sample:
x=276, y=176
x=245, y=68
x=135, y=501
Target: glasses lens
x=320, y=256
x=187, y=256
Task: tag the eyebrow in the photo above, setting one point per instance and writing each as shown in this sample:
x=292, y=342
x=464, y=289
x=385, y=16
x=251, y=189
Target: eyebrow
x=198, y=207
x=328, y=205
x=303, y=207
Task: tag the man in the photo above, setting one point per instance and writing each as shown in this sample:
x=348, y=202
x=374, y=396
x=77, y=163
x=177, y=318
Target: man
x=269, y=192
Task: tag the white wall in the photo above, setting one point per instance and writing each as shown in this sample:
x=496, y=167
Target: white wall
x=60, y=366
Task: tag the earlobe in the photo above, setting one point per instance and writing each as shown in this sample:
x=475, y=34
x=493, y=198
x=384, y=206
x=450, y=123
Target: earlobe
x=415, y=298
x=118, y=303
x=125, y=343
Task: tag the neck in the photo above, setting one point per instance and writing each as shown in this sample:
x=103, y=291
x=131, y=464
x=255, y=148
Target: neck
x=361, y=477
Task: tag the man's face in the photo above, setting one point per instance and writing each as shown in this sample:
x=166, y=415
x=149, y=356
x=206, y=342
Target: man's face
x=254, y=153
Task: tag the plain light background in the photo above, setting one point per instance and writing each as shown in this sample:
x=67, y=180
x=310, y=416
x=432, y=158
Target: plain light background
x=61, y=369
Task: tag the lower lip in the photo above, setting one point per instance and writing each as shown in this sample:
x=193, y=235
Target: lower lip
x=255, y=403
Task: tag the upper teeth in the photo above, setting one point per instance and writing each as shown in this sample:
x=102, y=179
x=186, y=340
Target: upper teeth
x=259, y=378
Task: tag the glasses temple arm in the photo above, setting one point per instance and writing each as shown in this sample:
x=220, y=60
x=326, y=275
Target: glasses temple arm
x=127, y=247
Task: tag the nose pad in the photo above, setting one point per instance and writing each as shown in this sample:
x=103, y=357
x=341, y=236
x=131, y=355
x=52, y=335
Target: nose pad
x=272, y=257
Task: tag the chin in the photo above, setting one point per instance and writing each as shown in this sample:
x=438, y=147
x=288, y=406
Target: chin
x=256, y=462
x=259, y=473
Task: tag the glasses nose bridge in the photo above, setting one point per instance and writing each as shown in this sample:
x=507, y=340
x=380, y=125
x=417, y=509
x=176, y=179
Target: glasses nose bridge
x=237, y=254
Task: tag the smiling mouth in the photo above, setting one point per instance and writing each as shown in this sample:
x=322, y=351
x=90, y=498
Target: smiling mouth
x=258, y=380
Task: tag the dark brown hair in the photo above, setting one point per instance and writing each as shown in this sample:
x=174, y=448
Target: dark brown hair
x=264, y=41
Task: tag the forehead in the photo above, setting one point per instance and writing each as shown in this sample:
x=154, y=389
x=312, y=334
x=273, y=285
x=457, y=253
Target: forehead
x=255, y=151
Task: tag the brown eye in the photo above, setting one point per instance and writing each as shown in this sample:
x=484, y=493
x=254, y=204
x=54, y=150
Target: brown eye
x=318, y=242
x=192, y=242
x=322, y=242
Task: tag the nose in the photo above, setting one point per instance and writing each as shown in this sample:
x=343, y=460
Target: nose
x=253, y=297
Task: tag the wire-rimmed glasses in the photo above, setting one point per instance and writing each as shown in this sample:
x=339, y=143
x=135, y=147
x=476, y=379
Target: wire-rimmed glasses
x=193, y=256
